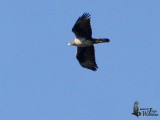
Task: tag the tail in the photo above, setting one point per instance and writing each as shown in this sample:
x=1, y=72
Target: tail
x=100, y=40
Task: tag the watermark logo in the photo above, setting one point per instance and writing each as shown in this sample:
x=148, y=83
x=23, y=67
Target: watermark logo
x=149, y=112
x=143, y=111
x=136, y=109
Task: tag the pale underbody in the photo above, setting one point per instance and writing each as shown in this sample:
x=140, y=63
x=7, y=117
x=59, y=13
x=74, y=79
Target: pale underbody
x=81, y=42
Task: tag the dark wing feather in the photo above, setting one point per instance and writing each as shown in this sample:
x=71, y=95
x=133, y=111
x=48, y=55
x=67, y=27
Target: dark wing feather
x=82, y=27
x=136, y=108
x=86, y=57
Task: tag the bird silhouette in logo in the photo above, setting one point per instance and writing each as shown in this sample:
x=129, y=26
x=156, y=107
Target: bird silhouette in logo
x=136, y=109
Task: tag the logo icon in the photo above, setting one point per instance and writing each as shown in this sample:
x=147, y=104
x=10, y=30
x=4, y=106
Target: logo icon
x=136, y=109
x=143, y=111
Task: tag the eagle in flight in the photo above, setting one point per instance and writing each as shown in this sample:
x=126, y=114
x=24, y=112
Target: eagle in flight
x=84, y=42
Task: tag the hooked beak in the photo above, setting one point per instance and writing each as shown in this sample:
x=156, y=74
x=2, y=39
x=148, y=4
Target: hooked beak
x=71, y=43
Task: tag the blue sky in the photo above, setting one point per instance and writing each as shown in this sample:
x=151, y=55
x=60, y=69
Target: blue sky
x=40, y=78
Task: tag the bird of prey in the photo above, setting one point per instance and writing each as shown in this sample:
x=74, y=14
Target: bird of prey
x=84, y=42
x=136, y=109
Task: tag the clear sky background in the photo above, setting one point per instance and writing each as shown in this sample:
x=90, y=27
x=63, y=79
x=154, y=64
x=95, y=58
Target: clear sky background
x=40, y=78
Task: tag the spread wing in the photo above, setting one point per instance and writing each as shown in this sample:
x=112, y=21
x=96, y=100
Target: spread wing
x=135, y=107
x=82, y=27
x=86, y=57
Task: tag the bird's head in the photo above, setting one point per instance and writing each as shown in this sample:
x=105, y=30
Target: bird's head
x=72, y=43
